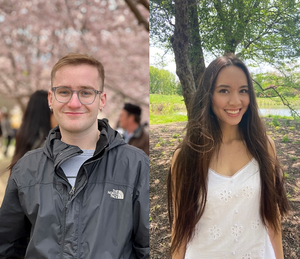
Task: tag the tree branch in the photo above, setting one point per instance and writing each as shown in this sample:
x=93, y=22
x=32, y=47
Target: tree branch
x=282, y=98
x=137, y=14
x=144, y=3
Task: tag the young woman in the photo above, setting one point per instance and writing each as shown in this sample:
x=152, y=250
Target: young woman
x=225, y=187
x=37, y=121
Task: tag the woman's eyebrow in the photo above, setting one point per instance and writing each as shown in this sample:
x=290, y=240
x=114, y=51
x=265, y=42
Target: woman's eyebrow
x=219, y=86
x=228, y=86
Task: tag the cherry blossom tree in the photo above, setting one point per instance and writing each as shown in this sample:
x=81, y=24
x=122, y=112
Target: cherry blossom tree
x=34, y=34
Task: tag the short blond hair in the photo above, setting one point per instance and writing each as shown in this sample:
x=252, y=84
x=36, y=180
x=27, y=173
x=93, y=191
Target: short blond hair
x=78, y=59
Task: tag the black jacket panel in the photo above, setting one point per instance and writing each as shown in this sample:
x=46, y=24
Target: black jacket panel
x=105, y=216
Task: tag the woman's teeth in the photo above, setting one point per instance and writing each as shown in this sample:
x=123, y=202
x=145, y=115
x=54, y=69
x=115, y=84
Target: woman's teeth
x=232, y=111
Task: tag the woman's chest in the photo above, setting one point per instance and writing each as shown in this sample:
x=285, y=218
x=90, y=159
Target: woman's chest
x=230, y=159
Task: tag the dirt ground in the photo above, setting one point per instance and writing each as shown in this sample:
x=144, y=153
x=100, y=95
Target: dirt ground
x=163, y=141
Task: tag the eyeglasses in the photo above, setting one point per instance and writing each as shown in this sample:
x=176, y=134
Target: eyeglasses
x=85, y=96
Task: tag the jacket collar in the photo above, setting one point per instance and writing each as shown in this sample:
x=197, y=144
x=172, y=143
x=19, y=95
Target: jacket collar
x=59, y=151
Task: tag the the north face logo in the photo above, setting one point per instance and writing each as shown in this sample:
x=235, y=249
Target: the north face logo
x=116, y=194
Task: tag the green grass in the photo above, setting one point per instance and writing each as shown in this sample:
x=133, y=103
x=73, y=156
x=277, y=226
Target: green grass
x=166, y=109
x=162, y=119
x=276, y=101
x=160, y=98
x=280, y=117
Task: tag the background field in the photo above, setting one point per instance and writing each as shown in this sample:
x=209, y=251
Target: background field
x=171, y=108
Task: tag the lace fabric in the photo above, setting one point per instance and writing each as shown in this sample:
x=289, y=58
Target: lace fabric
x=231, y=226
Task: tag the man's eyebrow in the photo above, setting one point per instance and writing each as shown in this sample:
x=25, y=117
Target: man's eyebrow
x=81, y=87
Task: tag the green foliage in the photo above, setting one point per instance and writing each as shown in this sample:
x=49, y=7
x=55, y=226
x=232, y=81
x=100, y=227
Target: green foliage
x=275, y=122
x=179, y=89
x=286, y=83
x=289, y=196
x=161, y=25
x=280, y=117
x=161, y=81
x=285, y=138
x=258, y=30
x=160, y=98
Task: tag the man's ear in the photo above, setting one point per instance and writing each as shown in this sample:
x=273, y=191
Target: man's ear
x=131, y=117
x=102, y=101
x=50, y=98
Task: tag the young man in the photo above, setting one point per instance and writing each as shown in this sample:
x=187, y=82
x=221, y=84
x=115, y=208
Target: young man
x=135, y=134
x=85, y=194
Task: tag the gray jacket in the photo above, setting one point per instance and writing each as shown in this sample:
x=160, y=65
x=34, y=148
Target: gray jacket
x=106, y=216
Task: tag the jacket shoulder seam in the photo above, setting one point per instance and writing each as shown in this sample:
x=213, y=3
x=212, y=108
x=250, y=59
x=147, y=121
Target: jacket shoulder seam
x=32, y=185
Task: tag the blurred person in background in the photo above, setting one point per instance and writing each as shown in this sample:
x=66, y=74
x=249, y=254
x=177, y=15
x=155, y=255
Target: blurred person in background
x=37, y=121
x=7, y=131
x=134, y=133
x=0, y=129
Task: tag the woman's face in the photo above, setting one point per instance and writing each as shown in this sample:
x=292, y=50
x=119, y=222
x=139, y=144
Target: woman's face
x=230, y=98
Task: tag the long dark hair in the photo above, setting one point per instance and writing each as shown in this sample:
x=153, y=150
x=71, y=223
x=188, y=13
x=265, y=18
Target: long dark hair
x=187, y=181
x=35, y=125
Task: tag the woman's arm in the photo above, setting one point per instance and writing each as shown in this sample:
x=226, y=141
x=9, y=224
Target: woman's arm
x=276, y=241
x=276, y=238
x=180, y=252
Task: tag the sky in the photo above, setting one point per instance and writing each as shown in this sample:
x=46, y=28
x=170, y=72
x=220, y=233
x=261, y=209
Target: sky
x=169, y=60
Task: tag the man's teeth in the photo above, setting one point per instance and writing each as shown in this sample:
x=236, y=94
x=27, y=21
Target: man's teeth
x=232, y=112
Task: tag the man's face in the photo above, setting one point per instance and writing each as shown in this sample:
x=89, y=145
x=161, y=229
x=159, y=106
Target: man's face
x=123, y=119
x=74, y=117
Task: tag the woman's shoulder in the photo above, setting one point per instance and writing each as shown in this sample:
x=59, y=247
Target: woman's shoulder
x=175, y=156
x=271, y=146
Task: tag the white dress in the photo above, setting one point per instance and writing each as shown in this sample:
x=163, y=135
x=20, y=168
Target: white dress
x=231, y=227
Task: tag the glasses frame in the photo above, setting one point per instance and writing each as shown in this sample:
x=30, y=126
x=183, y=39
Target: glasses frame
x=77, y=92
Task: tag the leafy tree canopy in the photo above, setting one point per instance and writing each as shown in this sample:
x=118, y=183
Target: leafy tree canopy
x=260, y=31
x=257, y=30
x=161, y=81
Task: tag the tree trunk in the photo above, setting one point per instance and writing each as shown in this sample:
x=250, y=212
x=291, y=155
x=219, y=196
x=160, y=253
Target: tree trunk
x=195, y=44
x=180, y=42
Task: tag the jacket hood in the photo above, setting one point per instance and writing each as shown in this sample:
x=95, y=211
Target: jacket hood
x=109, y=139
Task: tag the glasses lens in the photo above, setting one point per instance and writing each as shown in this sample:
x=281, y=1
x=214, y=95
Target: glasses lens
x=63, y=94
x=86, y=96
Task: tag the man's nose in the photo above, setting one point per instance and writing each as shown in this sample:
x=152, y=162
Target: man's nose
x=74, y=101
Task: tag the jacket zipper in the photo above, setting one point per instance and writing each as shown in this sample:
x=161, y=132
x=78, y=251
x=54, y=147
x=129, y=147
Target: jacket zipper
x=71, y=193
x=64, y=229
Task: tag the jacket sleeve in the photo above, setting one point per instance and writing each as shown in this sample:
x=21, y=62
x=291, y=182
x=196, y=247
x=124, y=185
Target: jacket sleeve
x=141, y=213
x=14, y=225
